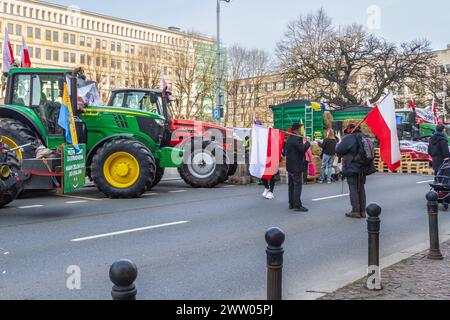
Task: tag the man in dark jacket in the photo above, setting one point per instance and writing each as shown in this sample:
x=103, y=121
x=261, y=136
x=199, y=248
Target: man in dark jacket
x=353, y=171
x=438, y=148
x=295, y=160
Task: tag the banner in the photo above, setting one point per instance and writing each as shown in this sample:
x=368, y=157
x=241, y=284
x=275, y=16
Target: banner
x=424, y=116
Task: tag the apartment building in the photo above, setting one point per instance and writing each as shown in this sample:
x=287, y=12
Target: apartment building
x=116, y=52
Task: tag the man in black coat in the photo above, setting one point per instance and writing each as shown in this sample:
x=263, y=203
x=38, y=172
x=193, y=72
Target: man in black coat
x=353, y=171
x=295, y=163
x=438, y=148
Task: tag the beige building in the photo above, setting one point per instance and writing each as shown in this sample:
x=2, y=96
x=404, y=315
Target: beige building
x=116, y=52
x=248, y=98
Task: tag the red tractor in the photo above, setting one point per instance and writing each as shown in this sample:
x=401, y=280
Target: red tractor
x=201, y=168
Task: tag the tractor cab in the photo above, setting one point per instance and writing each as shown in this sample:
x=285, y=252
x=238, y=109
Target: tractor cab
x=35, y=94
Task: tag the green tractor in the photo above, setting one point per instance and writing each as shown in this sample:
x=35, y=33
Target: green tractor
x=123, y=146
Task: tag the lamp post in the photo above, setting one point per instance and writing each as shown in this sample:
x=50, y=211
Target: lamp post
x=219, y=94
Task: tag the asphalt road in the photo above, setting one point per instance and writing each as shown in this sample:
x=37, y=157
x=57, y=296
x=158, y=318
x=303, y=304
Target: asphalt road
x=202, y=244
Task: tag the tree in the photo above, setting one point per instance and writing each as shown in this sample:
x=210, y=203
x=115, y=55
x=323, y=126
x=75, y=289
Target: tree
x=246, y=71
x=348, y=65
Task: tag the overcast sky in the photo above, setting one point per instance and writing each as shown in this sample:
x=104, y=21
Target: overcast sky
x=261, y=23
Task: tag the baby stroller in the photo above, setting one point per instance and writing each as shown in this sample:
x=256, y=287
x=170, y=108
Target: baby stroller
x=441, y=184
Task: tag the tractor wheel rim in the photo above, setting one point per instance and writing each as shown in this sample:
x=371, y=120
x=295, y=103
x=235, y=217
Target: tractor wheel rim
x=121, y=170
x=12, y=145
x=202, y=165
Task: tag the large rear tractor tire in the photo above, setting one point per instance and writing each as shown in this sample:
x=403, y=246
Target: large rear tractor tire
x=158, y=176
x=11, y=186
x=201, y=169
x=123, y=169
x=16, y=134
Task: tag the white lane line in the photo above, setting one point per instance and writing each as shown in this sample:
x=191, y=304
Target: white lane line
x=332, y=197
x=31, y=207
x=82, y=198
x=75, y=202
x=177, y=191
x=423, y=182
x=129, y=231
x=150, y=194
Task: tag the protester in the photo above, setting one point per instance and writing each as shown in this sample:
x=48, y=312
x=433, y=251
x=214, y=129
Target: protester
x=295, y=154
x=328, y=155
x=438, y=148
x=270, y=186
x=354, y=170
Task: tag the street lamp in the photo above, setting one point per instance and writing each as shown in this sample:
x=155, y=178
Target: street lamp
x=219, y=95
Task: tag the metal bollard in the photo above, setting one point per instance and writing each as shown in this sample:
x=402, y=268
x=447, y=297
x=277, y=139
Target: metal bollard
x=123, y=273
x=373, y=229
x=275, y=239
x=433, y=208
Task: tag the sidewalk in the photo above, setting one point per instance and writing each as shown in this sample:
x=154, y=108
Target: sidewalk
x=416, y=278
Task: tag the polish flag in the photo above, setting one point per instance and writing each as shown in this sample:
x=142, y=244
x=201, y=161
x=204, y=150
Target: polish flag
x=267, y=146
x=412, y=105
x=434, y=108
x=383, y=124
x=25, y=61
x=8, y=55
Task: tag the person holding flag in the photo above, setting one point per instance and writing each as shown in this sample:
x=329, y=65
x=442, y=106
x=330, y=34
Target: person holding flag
x=438, y=148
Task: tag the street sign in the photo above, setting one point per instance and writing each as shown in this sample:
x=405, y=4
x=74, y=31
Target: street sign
x=74, y=168
x=218, y=113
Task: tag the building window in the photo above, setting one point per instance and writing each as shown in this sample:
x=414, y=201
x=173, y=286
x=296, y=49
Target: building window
x=104, y=44
x=127, y=48
x=89, y=60
x=55, y=36
x=38, y=53
x=18, y=30
x=55, y=55
x=82, y=59
x=48, y=35
x=66, y=57
x=104, y=62
x=89, y=42
x=18, y=49
x=30, y=32
x=48, y=54
x=119, y=47
x=97, y=43
x=113, y=46
x=82, y=41
x=66, y=38
x=72, y=39
x=37, y=33
x=113, y=64
x=73, y=58
x=10, y=28
x=132, y=50
x=98, y=61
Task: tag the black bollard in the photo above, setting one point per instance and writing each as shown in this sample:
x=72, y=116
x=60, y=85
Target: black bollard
x=373, y=229
x=275, y=239
x=123, y=273
x=433, y=208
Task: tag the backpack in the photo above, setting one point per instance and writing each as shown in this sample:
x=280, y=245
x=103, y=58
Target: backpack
x=366, y=150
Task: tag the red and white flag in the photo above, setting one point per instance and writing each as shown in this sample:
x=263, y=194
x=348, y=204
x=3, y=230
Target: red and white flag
x=266, y=149
x=25, y=61
x=412, y=105
x=383, y=124
x=8, y=55
x=434, y=108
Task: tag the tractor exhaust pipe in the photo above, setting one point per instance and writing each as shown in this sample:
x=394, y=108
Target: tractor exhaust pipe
x=5, y=172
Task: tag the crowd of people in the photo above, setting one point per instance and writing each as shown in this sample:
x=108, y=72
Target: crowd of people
x=299, y=164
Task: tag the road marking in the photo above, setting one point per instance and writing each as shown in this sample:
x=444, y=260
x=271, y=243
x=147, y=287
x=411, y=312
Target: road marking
x=229, y=186
x=75, y=202
x=423, y=182
x=31, y=207
x=150, y=194
x=332, y=197
x=82, y=198
x=177, y=191
x=129, y=231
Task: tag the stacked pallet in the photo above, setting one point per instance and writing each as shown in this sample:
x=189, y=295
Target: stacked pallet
x=407, y=165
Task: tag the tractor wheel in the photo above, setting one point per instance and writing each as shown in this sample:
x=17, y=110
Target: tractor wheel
x=15, y=134
x=122, y=169
x=10, y=194
x=201, y=169
x=158, y=176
